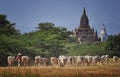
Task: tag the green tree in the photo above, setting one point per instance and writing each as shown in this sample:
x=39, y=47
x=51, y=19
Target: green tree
x=47, y=39
x=6, y=27
x=45, y=26
x=8, y=37
x=113, y=44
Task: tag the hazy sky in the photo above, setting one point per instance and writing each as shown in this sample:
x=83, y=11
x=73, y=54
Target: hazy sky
x=28, y=13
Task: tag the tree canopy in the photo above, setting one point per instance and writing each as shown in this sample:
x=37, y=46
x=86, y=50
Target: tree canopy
x=113, y=44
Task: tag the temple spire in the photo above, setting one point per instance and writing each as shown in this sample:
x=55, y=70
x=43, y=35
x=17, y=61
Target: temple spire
x=84, y=22
x=84, y=11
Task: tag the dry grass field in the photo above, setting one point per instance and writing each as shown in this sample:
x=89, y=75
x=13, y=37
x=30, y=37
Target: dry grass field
x=110, y=70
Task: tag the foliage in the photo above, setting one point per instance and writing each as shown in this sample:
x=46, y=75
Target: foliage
x=6, y=27
x=84, y=49
x=7, y=40
x=47, y=40
x=113, y=44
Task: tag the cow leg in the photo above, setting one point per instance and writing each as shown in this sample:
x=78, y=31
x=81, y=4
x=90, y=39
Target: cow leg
x=44, y=64
x=19, y=63
x=24, y=63
x=10, y=64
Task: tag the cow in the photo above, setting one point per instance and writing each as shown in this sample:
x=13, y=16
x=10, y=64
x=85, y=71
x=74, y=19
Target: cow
x=74, y=60
x=105, y=59
x=80, y=60
x=102, y=59
x=70, y=60
x=115, y=59
x=25, y=60
x=11, y=60
x=96, y=60
x=63, y=60
x=88, y=60
x=54, y=61
x=38, y=60
x=44, y=61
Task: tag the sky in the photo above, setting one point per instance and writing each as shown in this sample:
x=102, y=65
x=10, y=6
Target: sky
x=27, y=14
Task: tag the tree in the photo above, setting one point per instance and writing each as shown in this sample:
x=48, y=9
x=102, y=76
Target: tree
x=8, y=37
x=45, y=26
x=47, y=39
x=6, y=27
x=113, y=44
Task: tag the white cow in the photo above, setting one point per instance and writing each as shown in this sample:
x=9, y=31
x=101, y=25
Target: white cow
x=25, y=60
x=80, y=60
x=74, y=60
x=54, y=61
x=88, y=59
x=105, y=59
x=70, y=60
x=102, y=59
x=38, y=60
x=96, y=60
x=63, y=59
x=115, y=59
x=44, y=61
x=11, y=60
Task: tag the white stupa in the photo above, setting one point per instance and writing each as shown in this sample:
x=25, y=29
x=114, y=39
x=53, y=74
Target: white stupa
x=103, y=34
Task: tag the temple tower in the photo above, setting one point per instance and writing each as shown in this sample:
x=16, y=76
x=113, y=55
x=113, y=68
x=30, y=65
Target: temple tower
x=103, y=34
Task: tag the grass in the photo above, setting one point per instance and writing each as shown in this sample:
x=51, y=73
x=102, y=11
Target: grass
x=111, y=70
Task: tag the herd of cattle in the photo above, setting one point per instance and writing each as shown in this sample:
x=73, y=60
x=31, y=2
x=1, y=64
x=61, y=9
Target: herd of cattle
x=64, y=60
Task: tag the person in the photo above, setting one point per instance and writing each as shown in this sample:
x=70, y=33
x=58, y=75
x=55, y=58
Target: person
x=18, y=58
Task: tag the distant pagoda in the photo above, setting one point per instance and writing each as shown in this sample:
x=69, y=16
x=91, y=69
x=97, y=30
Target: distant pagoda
x=103, y=34
x=84, y=33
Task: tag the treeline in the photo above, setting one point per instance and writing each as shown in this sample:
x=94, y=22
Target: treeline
x=48, y=40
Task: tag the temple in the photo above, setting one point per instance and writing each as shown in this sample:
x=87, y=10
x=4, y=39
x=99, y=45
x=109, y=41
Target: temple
x=84, y=33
